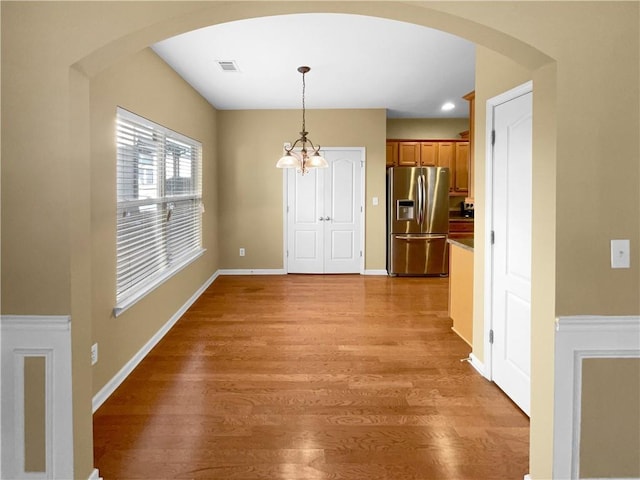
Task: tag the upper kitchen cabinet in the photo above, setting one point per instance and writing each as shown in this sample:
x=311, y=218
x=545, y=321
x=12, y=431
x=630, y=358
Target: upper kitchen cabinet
x=471, y=98
x=460, y=168
x=455, y=156
x=408, y=154
x=445, y=155
x=392, y=154
x=452, y=154
x=429, y=154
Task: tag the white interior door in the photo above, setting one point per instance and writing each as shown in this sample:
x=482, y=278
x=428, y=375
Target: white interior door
x=324, y=216
x=511, y=250
x=305, y=221
x=343, y=212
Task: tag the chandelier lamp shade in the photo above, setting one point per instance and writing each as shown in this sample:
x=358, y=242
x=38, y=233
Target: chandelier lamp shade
x=308, y=156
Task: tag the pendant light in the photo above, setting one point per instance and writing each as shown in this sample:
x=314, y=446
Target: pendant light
x=304, y=160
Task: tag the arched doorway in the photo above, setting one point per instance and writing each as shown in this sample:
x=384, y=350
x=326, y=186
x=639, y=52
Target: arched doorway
x=144, y=33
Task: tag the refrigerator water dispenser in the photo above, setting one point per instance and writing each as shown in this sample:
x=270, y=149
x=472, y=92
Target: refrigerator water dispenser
x=405, y=210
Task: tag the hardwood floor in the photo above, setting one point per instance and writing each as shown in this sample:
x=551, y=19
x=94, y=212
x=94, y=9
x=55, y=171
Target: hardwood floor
x=312, y=377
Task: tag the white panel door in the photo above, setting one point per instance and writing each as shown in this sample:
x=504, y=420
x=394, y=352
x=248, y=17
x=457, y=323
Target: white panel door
x=511, y=293
x=305, y=221
x=342, y=204
x=324, y=216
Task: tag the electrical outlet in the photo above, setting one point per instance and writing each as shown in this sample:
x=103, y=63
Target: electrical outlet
x=94, y=354
x=242, y=252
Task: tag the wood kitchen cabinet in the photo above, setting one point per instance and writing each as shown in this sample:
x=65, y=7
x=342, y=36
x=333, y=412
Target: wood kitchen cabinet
x=413, y=154
x=460, y=228
x=471, y=98
x=429, y=154
x=460, y=169
x=408, y=154
x=392, y=154
x=451, y=154
x=445, y=156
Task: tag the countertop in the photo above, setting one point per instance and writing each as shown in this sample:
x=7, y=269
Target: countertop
x=465, y=243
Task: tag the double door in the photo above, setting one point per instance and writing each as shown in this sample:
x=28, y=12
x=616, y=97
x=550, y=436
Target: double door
x=324, y=216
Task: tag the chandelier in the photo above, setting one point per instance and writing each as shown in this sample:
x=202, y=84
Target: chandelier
x=305, y=159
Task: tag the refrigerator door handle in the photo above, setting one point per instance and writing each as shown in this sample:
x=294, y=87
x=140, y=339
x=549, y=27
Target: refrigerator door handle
x=425, y=238
x=420, y=199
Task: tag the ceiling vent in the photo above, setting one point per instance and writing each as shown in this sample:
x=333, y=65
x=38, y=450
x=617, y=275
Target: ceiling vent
x=228, y=66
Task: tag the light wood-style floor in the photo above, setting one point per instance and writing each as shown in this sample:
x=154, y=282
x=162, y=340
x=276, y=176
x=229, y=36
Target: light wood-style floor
x=312, y=377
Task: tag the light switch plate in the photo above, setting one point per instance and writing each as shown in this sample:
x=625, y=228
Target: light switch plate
x=620, y=257
x=374, y=201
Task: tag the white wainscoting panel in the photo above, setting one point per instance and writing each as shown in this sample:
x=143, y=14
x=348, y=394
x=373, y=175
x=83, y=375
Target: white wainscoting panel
x=49, y=337
x=577, y=338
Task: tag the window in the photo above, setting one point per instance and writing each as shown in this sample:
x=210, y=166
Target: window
x=159, y=183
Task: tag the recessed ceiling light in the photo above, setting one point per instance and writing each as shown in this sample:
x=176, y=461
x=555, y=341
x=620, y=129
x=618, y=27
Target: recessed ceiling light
x=448, y=106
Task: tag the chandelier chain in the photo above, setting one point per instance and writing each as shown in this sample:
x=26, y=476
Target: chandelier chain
x=303, y=104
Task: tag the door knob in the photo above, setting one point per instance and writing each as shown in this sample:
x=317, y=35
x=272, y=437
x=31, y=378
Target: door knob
x=327, y=218
x=321, y=219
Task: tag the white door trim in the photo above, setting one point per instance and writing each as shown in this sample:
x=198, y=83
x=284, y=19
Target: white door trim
x=285, y=199
x=488, y=226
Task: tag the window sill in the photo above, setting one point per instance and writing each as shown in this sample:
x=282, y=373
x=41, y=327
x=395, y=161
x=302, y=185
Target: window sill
x=127, y=302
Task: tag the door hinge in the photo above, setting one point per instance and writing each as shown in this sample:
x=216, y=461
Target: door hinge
x=493, y=137
x=491, y=336
x=287, y=208
x=287, y=253
x=360, y=253
x=361, y=209
x=493, y=237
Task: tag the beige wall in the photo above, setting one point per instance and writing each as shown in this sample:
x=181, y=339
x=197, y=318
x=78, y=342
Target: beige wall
x=145, y=85
x=610, y=415
x=584, y=62
x=427, y=128
x=251, y=188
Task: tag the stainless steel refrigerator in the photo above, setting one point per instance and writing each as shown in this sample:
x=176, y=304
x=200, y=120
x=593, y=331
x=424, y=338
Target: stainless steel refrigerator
x=418, y=220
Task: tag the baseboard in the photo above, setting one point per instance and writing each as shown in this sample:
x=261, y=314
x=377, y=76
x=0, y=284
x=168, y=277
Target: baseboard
x=276, y=271
x=95, y=475
x=252, y=271
x=477, y=364
x=106, y=391
x=376, y=272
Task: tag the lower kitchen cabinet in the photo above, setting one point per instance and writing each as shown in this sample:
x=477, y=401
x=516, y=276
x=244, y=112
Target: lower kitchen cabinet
x=461, y=288
x=460, y=228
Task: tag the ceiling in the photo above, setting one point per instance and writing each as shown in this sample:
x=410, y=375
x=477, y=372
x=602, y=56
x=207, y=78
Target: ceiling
x=356, y=62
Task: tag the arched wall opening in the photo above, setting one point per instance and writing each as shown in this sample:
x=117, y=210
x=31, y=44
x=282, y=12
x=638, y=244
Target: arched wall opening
x=585, y=94
x=542, y=71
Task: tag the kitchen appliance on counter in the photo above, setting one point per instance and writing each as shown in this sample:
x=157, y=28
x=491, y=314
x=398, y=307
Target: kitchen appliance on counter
x=417, y=220
x=466, y=209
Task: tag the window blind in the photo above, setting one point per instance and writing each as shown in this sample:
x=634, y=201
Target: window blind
x=159, y=211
